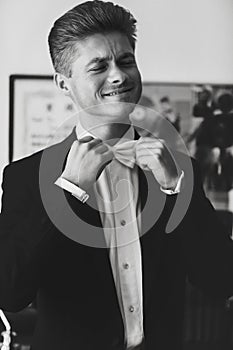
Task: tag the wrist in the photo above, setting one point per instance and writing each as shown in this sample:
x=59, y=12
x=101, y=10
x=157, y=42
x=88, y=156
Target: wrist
x=77, y=191
x=165, y=180
x=172, y=182
x=74, y=180
x=177, y=188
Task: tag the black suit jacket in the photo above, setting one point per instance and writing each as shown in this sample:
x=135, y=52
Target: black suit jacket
x=73, y=283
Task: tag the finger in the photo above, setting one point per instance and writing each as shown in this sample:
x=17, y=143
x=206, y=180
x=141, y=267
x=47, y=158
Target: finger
x=145, y=133
x=145, y=159
x=73, y=150
x=93, y=143
x=109, y=155
x=150, y=140
x=86, y=139
x=150, y=146
x=102, y=148
x=149, y=152
x=147, y=162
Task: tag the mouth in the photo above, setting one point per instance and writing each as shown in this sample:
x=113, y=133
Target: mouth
x=117, y=92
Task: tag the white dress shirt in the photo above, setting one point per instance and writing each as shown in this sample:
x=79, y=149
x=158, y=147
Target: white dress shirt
x=116, y=193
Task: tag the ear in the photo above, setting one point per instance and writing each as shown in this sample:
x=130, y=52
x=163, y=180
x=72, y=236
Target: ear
x=62, y=83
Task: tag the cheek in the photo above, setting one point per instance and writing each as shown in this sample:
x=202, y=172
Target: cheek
x=138, y=76
x=94, y=86
x=97, y=85
x=138, y=80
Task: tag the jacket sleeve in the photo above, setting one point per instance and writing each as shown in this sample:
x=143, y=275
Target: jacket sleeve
x=24, y=234
x=206, y=244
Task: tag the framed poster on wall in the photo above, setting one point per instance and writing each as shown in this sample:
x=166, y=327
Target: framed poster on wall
x=37, y=108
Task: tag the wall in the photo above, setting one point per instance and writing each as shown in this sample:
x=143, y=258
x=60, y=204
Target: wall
x=181, y=41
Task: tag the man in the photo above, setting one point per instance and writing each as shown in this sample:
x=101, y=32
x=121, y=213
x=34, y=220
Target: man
x=103, y=278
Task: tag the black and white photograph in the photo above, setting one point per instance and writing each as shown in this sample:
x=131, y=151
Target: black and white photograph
x=116, y=173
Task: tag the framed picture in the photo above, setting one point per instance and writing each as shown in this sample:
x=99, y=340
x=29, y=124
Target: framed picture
x=37, y=108
x=201, y=114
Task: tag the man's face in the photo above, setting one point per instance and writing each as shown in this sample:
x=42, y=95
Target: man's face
x=105, y=75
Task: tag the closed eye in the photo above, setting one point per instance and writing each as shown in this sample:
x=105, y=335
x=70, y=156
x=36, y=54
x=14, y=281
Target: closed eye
x=98, y=68
x=127, y=62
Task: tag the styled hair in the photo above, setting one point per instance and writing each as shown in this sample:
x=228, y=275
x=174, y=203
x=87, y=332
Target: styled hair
x=84, y=20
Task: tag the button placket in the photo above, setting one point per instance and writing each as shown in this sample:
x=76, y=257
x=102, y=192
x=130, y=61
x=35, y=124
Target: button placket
x=126, y=233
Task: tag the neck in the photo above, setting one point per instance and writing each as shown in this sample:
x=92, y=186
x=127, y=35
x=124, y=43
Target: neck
x=111, y=133
x=108, y=132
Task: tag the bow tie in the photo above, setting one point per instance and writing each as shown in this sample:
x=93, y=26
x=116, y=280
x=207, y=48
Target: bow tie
x=125, y=153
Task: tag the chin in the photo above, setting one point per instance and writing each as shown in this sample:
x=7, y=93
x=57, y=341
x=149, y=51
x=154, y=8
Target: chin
x=118, y=112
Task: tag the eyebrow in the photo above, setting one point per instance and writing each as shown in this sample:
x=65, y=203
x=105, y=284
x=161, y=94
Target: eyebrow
x=127, y=55
x=107, y=58
x=97, y=60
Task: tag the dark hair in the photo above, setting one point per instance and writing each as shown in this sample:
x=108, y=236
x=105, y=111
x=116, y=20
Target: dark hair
x=225, y=102
x=86, y=19
x=165, y=99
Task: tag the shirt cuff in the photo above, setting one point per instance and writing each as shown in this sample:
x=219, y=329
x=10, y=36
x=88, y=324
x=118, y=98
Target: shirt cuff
x=76, y=191
x=177, y=188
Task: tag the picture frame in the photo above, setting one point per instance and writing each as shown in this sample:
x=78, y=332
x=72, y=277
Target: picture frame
x=37, y=108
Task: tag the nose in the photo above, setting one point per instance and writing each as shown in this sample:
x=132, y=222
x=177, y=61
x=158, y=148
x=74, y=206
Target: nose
x=116, y=75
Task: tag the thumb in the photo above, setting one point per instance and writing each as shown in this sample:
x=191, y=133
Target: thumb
x=86, y=139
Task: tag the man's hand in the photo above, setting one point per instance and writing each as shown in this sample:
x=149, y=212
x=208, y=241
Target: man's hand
x=86, y=161
x=152, y=154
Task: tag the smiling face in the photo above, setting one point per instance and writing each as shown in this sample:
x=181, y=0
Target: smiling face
x=105, y=75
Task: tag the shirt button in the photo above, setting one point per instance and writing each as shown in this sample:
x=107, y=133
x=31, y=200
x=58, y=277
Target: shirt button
x=126, y=266
x=131, y=308
x=123, y=222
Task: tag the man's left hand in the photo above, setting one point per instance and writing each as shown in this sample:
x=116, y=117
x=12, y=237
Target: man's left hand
x=152, y=154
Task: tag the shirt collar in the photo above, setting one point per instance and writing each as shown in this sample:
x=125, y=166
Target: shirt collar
x=81, y=133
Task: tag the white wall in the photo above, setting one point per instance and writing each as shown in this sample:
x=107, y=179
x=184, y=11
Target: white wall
x=178, y=40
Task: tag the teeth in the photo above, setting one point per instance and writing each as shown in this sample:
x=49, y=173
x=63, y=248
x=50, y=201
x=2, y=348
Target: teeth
x=113, y=94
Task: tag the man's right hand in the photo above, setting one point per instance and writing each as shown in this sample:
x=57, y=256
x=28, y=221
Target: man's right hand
x=86, y=160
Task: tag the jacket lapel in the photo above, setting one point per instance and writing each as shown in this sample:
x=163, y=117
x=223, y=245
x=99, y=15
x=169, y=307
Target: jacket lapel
x=152, y=204
x=92, y=225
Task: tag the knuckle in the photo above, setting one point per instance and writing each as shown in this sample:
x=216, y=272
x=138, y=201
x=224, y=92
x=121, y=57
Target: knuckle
x=95, y=143
x=102, y=146
x=108, y=155
x=88, y=146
